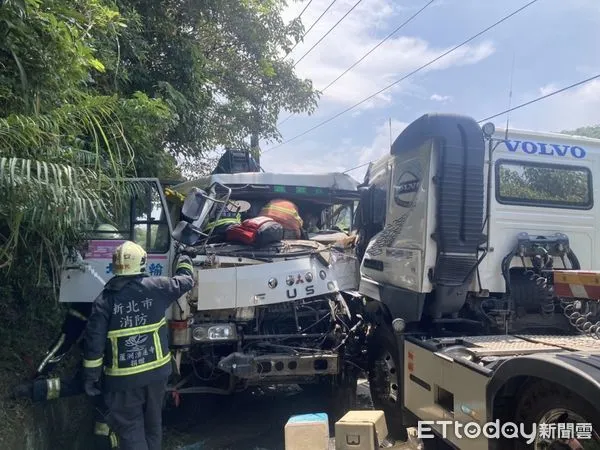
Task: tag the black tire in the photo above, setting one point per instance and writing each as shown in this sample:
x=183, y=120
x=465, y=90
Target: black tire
x=540, y=398
x=384, y=382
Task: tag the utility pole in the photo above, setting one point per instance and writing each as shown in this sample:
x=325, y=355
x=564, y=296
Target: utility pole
x=254, y=147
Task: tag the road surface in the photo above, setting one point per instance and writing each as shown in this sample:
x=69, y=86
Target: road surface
x=249, y=421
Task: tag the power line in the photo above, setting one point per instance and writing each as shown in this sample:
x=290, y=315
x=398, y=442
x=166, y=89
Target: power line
x=310, y=28
x=522, y=105
x=329, y=31
x=305, y=8
x=453, y=49
x=357, y=167
x=410, y=19
x=402, y=25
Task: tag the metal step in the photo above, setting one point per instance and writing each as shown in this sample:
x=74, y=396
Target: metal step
x=505, y=345
x=573, y=343
x=522, y=344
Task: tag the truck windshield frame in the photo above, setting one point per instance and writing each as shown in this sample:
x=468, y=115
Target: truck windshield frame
x=542, y=196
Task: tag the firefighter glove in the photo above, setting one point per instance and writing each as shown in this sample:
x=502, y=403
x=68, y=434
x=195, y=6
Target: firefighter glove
x=184, y=262
x=91, y=388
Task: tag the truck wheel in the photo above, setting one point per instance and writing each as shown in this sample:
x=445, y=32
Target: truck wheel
x=384, y=384
x=548, y=403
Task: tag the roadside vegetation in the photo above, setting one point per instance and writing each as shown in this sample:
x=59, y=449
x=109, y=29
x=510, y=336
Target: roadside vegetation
x=94, y=90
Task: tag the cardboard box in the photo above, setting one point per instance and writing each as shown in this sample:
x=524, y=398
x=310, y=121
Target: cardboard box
x=307, y=432
x=360, y=430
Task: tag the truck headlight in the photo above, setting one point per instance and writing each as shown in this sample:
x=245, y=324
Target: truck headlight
x=214, y=332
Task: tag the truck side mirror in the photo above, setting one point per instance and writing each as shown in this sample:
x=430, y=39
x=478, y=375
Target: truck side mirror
x=363, y=211
x=193, y=205
x=372, y=207
x=187, y=234
x=378, y=202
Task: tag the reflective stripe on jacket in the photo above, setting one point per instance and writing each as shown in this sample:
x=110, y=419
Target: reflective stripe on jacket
x=284, y=212
x=126, y=337
x=222, y=221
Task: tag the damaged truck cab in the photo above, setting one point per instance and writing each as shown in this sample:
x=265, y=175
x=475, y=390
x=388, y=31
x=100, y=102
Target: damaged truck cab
x=266, y=312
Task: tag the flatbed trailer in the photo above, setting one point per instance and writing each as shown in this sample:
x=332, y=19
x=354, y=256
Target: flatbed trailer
x=442, y=383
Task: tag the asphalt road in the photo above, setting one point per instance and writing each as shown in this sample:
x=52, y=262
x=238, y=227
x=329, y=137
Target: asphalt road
x=252, y=420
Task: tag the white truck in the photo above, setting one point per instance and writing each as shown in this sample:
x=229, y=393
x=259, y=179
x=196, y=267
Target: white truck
x=480, y=272
x=257, y=315
x=475, y=298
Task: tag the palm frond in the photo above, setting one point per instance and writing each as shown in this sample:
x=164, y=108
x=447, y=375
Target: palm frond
x=54, y=201
x=91, y=122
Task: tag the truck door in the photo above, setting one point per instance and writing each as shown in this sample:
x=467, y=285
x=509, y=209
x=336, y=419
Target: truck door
x=141, y=217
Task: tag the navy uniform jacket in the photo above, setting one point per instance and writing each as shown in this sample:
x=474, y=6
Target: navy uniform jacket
x=126, y=336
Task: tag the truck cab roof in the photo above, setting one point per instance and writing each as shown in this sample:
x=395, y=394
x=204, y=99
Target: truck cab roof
x=327, y=186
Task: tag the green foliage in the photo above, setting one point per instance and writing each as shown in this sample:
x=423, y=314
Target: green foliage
x=591, y=132
x=94, y=90
x=217, y=65
x=542, y=184
x=547, y=184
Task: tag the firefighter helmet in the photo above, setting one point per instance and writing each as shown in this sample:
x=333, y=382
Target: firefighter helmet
x=106, y=231
x=129, y=259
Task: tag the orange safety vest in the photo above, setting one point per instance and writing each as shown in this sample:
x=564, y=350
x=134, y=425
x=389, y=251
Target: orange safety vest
x=285, y=213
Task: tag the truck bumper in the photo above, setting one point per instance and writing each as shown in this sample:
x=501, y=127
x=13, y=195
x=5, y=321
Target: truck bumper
x=270, y=366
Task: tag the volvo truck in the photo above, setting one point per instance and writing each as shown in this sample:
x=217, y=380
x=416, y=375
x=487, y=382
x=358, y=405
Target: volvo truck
x=480, y=273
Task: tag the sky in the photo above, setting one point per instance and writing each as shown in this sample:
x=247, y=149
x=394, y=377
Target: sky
x=548, y=45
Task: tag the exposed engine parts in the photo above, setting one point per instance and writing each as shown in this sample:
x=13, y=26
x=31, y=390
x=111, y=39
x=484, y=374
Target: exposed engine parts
x=291, y=340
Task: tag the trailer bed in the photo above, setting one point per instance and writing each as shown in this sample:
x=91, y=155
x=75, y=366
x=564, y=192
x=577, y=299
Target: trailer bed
x=522, y=344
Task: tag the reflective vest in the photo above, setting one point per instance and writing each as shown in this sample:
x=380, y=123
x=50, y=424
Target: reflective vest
x=285, y=213
x=139, y=349
x=221, y=222
x=126, y=337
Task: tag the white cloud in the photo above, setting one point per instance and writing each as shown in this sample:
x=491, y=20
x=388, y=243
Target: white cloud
x=293, y=158
x=440, y=98
x=565, y=111
x=361, y=30
x=381, y=142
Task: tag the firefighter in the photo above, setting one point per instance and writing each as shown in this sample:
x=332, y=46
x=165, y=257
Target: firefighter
x=286, y=213
x=126, y=353
x=44, y=388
